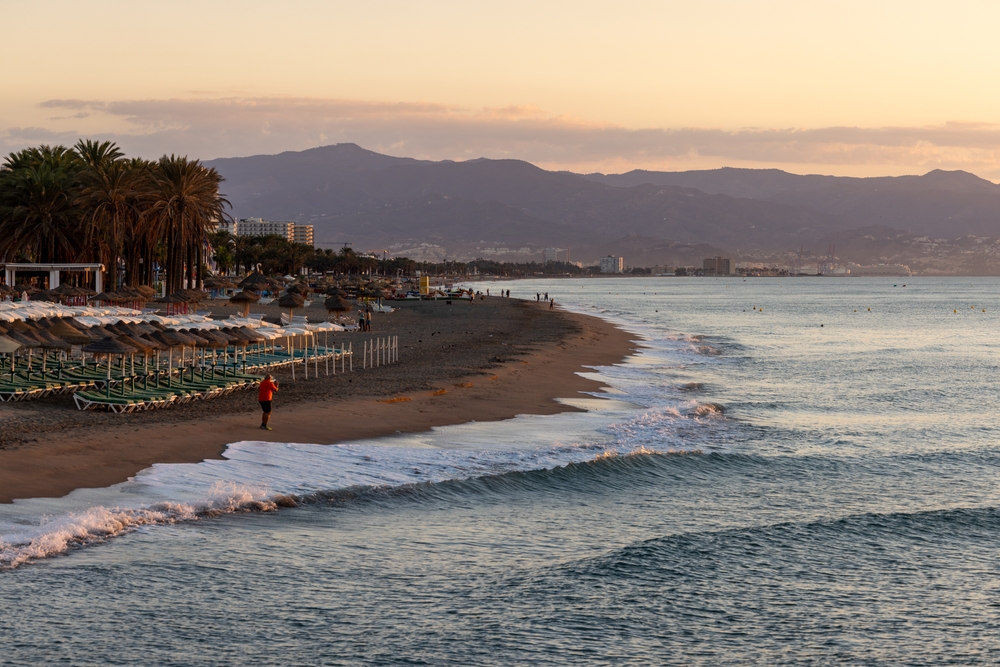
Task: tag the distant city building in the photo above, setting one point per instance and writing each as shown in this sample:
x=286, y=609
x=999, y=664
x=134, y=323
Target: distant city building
x=612, y=264
x=302, y=234
x=555, y=255
x=226, y=226
x=293, y=231
x=662, y=270
x=716, y=266
x=878, y=270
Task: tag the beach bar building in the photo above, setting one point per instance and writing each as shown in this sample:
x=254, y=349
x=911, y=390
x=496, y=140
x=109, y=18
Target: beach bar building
x=54, y=272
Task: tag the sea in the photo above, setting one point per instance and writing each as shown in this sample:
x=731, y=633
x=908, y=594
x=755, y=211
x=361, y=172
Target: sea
x=787, y=471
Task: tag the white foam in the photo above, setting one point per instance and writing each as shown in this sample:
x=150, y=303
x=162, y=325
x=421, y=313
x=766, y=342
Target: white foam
x=254, y=476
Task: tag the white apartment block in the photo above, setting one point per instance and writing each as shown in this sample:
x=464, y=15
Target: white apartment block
x=293, y=231
x=612, y=264
x=303, y=234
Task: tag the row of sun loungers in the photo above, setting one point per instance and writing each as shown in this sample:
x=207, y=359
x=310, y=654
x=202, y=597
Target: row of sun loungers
x=165, y=393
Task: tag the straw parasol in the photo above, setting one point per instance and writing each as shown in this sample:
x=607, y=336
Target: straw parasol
x=336, y=304
x=9, y=345
x=255, y=281
x=46, y=295
x=219, y=282
x=244, y=299
x=109, y=346
x=65, y=331
x=291, y=301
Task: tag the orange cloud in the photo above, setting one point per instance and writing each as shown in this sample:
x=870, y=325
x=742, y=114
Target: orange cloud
x=223, y=127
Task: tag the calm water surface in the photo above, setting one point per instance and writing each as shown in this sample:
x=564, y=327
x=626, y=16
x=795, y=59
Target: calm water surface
x=783, y=476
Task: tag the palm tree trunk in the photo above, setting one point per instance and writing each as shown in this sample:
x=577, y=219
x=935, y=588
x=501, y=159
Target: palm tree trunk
x=198, y=261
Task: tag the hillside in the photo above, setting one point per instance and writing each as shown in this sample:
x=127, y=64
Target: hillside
x=940, y=203
x=510, y=209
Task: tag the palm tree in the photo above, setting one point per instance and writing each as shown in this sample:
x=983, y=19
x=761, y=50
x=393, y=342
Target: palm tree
x=185, y=202
x=222, y=243
x=39, y=212
x=108, y=197
x=140, y=239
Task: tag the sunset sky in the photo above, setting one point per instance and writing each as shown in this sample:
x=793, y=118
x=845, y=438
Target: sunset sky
x=849, y=88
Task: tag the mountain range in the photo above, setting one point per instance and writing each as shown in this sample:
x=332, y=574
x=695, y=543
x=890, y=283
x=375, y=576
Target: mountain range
x=510, y=209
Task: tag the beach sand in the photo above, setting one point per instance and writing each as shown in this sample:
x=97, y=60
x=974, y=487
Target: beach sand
x=493, y=359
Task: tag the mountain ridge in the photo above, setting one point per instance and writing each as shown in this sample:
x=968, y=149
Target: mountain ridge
x=347, y=191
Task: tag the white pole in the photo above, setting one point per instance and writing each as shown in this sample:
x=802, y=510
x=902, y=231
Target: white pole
x=291, y=347
x=364, y=357
x=305, y=355
x=352, y=358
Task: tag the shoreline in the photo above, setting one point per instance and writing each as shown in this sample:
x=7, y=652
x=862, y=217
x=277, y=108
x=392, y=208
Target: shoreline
x=522, y=373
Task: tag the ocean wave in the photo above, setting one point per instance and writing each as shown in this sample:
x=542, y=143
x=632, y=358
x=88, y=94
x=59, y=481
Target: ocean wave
x=797, y=542
x=340, y=474
x=709, y=410
x=94, y=525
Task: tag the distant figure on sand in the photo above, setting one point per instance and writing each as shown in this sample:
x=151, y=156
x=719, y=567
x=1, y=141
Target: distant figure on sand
x=267, y=389
x=552, y=304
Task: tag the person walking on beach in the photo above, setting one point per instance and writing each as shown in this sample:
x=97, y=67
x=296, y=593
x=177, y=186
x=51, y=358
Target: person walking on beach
x=368, y=320
x=552, y=304
x=267, y=389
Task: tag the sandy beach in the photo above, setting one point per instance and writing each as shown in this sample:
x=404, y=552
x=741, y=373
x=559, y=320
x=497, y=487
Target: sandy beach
x=489, y=360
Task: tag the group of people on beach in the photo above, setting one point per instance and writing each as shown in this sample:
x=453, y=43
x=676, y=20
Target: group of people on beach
x=538, y=297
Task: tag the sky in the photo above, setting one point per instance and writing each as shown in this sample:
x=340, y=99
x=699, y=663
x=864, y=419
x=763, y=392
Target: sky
x=847, y=88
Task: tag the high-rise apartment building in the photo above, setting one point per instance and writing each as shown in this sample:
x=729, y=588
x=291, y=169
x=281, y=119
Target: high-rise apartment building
x=716, y=266
x=293, y=231
x=612, y=264
x=302, y=234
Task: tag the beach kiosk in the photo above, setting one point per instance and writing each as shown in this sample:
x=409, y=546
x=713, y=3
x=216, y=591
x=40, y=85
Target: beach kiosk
x=54, y=272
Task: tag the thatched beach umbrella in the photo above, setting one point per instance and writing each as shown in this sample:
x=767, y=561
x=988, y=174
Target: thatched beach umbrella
x=244, y=299
x=336, y=304
x=175, y=303
x=9, y=346
x=46, y=295
x=110, y=346
x=291, y=301
x=65, y=331
x=219, y=282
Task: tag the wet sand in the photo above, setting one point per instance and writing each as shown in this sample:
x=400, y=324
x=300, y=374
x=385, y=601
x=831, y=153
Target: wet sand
x=486, y=361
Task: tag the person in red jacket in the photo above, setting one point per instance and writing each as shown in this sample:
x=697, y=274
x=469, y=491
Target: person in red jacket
x=267, y=389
